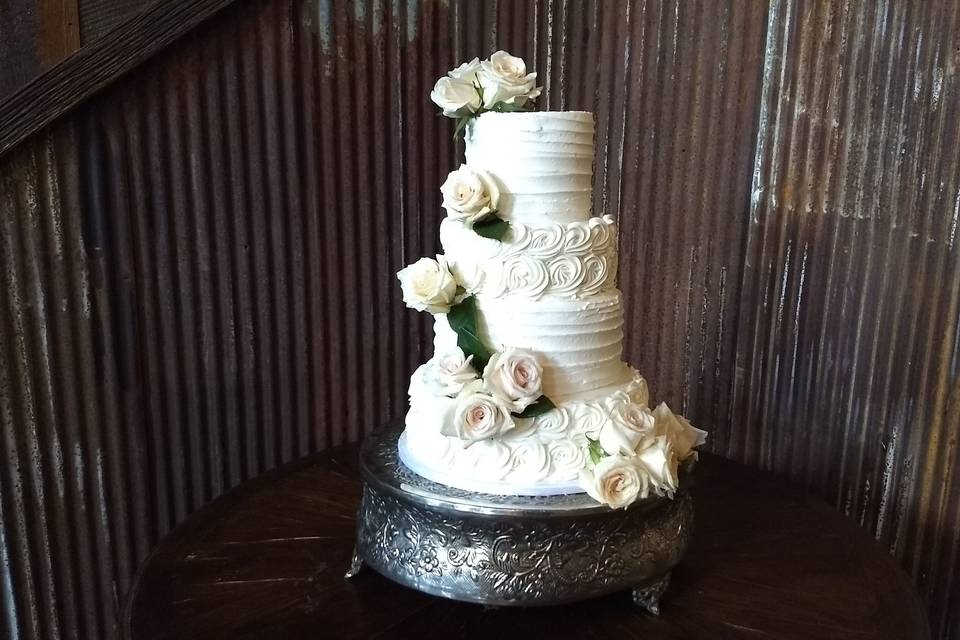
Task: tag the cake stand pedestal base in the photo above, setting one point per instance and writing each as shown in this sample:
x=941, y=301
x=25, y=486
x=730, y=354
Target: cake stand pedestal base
x=511, y=550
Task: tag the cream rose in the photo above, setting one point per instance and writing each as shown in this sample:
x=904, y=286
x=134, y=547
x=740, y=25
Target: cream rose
x=515, y=377
x=660, y=462
x=456, y=97
x=466, y=72
x=448, y=373
x=504, y=78
x=628, y=426
x=469, y=194
x=478, y=416
x=683, y=436
x=428, y=285
x=615, y=481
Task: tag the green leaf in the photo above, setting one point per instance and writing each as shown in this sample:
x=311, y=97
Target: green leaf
x=595, y=451
x=491, y=226
x=462, y=122
x=541, y=406
x=463, y=320
x=504, y=107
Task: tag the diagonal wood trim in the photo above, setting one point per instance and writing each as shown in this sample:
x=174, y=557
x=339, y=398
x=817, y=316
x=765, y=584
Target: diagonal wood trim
x=92, y=68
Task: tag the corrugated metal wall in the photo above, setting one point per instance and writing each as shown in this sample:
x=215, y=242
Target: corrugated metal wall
x=847, y=336
x=197, y=265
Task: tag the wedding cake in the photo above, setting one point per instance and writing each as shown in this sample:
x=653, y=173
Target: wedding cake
x=527, y=392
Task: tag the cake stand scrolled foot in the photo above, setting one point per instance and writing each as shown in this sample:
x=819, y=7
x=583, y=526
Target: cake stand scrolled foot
x=356, y=564
x=648, y=596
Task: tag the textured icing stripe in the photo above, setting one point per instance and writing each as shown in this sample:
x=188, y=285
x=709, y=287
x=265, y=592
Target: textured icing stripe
x=543, y=162
x=580, y=342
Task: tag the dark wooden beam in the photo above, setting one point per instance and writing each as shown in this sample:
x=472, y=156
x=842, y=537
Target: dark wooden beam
x=59, y=26
x=93, y=67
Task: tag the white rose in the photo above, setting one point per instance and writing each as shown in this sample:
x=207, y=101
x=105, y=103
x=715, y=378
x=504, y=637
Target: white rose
x=615, y=481
x=478, y=416
x=449, y=373
x=428, y=285
x=683, y=436
x=455, y=97
x=628, y=425
x=466, y=72
x=504, y=78
x=515, y=377
x=660, y=462
x=469, y=194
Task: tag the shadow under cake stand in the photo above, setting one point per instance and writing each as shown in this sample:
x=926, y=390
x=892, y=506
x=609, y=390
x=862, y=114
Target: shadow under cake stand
x=511, y=550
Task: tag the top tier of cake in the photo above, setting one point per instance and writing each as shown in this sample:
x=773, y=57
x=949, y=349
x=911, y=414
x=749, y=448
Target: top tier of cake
x=543, y=162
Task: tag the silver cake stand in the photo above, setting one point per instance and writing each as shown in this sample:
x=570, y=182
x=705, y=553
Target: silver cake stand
x=511, y=550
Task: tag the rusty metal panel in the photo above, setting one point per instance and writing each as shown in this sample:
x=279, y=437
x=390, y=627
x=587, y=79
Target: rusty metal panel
x=68, y=480
x=848, y=315
x=198, y=266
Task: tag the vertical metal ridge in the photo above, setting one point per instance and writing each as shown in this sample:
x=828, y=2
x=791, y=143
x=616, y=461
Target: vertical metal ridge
x=78, y=404
x=400, y=255
x=306, y=32
x=182, y=365
x=299, y=338
x=276, y=220
x=206, y=296
x=327, y=205
x=222, y=377
x=65, y=546
x=361, y=236
x=95, y=360
x=192, y=245
x=122, y=425
x=241, y=212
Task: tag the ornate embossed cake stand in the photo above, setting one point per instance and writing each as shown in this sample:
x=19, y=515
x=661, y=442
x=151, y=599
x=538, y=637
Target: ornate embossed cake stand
x=511, y=550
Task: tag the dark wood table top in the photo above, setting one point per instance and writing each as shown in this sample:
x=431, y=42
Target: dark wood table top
x=267, y=561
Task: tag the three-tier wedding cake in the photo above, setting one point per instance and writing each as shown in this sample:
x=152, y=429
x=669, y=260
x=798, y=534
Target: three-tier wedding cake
x=527, y=392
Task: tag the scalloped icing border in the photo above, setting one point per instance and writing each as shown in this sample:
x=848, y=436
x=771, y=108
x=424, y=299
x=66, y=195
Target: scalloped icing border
x=576, y=259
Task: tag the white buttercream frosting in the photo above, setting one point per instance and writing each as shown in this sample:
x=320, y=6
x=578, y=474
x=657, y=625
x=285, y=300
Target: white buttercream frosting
x=542, y=162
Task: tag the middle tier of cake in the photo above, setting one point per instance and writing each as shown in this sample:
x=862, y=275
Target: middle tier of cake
x=579, y=343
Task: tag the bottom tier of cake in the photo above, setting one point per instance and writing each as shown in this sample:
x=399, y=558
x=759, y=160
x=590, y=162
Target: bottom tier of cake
x=542, y=456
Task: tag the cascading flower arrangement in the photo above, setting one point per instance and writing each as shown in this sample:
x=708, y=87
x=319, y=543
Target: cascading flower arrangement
x=492, y=387
x=499, y=84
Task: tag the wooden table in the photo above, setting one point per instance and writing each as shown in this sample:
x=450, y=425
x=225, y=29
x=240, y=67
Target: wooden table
x=267, y=561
